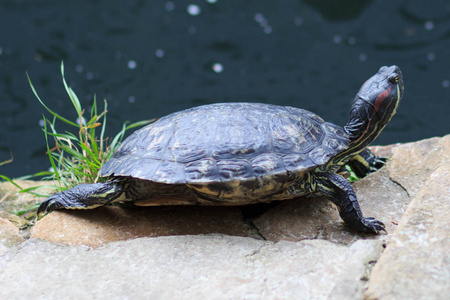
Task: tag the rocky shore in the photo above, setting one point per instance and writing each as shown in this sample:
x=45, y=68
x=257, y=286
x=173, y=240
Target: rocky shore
x=296, y=249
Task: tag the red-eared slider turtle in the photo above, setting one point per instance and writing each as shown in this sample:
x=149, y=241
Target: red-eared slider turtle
x=243, y=153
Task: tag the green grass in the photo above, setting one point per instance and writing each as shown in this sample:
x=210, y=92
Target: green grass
x=353, y=177
x=75, y=156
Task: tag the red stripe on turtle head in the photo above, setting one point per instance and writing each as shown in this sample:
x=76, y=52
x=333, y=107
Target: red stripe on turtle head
x=380, y=99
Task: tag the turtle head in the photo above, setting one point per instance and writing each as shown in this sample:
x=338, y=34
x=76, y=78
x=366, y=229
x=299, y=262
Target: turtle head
x=373, y=106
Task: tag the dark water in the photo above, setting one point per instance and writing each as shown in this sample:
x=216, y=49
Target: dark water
x=151, y=58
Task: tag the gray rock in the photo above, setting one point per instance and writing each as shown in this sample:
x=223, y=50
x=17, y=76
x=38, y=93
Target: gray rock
x=9, y=234
x=107, y=224
x=416, y=263
x=413, y=163
x=14, y=201
x=190, y=267
x=9, y=239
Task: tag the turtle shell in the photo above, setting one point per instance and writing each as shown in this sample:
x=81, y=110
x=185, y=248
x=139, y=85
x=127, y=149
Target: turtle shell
x=229, y=144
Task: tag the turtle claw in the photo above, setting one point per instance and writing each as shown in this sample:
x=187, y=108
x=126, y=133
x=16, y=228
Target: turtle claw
x=372, y=225
x=45, y=207
x=51, y=203
x=377, y=163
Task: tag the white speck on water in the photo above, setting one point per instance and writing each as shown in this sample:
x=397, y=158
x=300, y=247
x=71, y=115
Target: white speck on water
x=89, y=75
x=429, y=25
x=132, y=64
x=217, y=67
x=83, y=121
x=41, y=122
x=431, y=56
x=264, y=23
x=79, y=68
x=362, y=57
x=337, y=39
x=351, y=40
x=170, y=6
x=211, y=1
x=446, y=83
x=131, y=99
x=159, y=53
x=298, y=21
x=192, y=30
x=259, y=18
x=267, y=29
x=194, y=10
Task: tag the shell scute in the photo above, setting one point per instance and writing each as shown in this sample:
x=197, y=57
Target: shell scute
x=297, y=161
x=203, y=170
x=234, y=168
x=267, y=163
x=170, y=172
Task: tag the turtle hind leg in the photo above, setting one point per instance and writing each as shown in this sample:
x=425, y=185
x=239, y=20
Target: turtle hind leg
x=84, y=196
x=340, y=192
x=366, y=162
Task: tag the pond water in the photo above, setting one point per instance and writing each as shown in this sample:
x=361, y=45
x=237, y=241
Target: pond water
x=151, y=58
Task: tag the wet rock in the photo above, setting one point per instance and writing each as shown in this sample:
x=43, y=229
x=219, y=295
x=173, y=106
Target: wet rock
x=190, y=267
x=416, y=263
x=107, y=224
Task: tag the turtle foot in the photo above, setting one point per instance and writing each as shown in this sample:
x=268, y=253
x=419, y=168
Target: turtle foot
x=51, y=203
x=371, y=225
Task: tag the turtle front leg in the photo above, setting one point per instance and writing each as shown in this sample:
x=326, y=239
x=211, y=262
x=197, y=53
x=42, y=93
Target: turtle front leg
x=366, y=162
x=340, y=192
x=83, y=196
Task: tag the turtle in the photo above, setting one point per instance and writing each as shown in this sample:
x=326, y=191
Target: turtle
x=242, y=153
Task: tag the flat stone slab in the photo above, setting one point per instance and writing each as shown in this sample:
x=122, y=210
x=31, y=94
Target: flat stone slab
x=413, y=163
x=11, y=200
x=9, y=233
x=107, y=224
x=9, y=240
x=416, y=263
x=190, y=267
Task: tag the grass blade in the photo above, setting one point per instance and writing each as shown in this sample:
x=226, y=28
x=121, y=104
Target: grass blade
x=45, y=106
x=10, y=181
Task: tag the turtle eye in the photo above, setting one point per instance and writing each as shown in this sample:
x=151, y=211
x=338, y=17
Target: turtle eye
x=394, y=79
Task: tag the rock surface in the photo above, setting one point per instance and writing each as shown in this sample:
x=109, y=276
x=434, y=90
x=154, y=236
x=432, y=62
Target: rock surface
x=107, y=224
x=192, y=252
x=417, y=259
x=189, y=267
x=413, y=163
x=11, y=200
